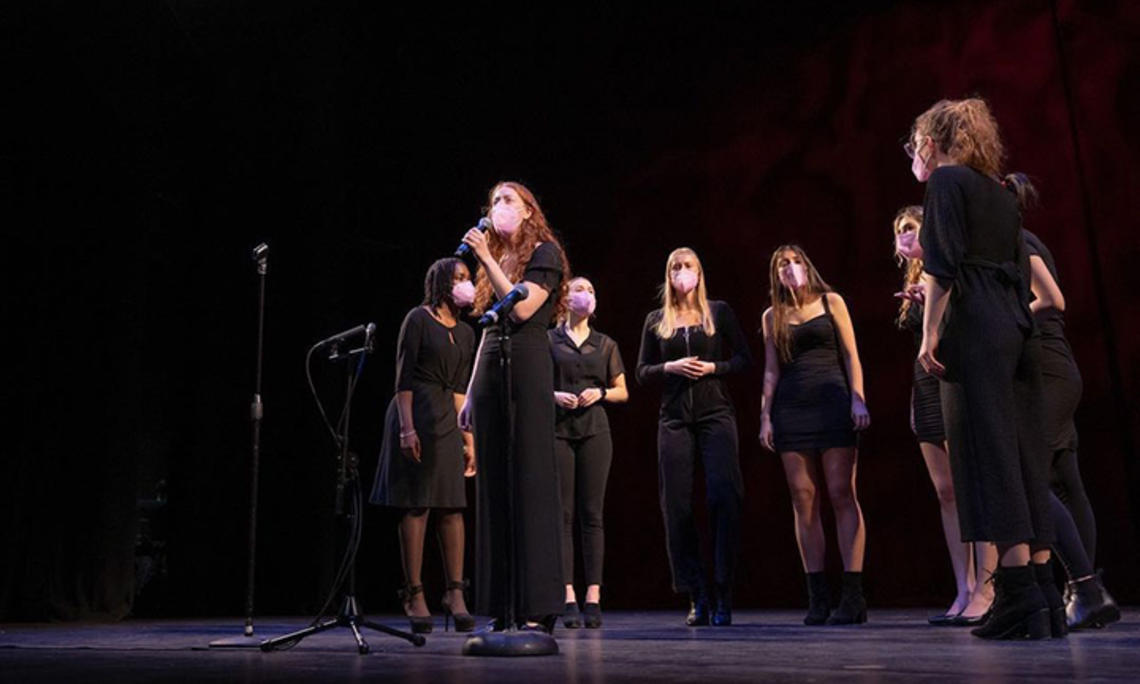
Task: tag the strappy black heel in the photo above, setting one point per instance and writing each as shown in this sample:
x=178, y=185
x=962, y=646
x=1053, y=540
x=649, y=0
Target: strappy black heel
x=464, y=622
x=419, y=624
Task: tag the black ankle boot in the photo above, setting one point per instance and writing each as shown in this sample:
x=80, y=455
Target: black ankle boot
x=698, y=610
x=1090, y=604
x=852, y=608
x=819, y=602
x=1044, y=574
x=571, y=616
x=1019, y=610
x=722, y=616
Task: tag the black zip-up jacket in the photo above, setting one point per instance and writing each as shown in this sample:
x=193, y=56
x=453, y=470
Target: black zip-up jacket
x=682, y=398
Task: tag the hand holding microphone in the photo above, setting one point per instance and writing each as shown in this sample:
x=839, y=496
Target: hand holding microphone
x=475, y=240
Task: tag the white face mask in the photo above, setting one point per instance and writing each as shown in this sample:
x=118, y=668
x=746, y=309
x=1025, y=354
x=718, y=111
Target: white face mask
x=506, y=219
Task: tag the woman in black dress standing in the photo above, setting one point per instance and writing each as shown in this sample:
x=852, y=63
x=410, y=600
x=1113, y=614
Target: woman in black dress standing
x=521, y=248
x=813, y=403
x=587, y=372
x=978, y=337
x=975, y=592
x=425, y=455
x=689, y=345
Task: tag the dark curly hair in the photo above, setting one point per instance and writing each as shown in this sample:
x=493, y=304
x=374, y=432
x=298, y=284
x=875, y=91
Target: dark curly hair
x=437, y=282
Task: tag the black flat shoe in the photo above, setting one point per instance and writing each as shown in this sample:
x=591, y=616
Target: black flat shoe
x=545, y=624
x=722, y=615
x=571, y=616
x=960, y=620
x=698, y=612
x=944, y=620
x=852, y=608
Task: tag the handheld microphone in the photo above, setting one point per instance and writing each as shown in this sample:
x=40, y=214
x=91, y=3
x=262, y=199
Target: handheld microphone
x=260, y=252
x=464, y=249
x=368, y=330
x=505, y=305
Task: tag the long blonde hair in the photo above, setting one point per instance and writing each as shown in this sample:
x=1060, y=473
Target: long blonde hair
x=782, y=299
x=667, y=326
x=966, y=131
x=913, y=271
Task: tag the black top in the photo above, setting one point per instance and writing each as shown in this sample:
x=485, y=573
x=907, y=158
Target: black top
x=594, y=364
x=433, y=362
x=683, y=398
x=1050, y=320
x=971, y=237
x=544, y=269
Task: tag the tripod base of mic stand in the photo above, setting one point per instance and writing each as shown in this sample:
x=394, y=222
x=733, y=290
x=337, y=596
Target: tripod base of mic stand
x=510, y=644
x=247, y=640
x=349, y=617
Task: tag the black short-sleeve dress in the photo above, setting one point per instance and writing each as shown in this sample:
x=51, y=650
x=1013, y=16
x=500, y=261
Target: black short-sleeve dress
x=811, y=408
x=537, y=514
x=433, y=362
x=991, y=391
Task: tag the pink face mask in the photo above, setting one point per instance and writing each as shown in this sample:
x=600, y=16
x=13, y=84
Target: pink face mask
x=463, y=293
x=506, y=219
x=581, y=302
x=793, y=276
x=919, y=167
x=907, y=245
x=684, y=280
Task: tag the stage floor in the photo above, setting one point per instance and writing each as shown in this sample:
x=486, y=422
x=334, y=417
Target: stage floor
x=633, y=646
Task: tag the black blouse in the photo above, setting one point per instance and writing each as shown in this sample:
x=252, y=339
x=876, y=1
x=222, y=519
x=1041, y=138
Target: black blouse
x=1050, y=321
x=596, y=363
x=685, y=399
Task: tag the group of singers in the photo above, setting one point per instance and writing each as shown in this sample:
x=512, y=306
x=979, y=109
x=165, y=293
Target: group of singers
x=995, y=390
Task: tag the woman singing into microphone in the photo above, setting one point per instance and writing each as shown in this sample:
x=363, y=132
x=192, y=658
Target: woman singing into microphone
x=587, y=373
x=689, y=345
x=521, y=248
x=813, y=404
x=423, y=468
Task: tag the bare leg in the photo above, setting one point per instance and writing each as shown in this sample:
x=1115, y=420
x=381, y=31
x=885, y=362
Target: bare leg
x=452, y=539
x=413, y=526
x=839, y=467
x=804, y=482
x=938, y=465
x=1014, y=555
x=594, y=593
x=985, y=562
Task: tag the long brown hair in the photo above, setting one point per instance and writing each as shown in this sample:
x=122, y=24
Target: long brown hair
x=781, y=297
x=966, y=131
x=668, y=323
x=908, y=216
x=533, y=231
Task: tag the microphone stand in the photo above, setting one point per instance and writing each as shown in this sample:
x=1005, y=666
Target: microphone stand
x=256, y=411
x=348, y=480
x=509, y=642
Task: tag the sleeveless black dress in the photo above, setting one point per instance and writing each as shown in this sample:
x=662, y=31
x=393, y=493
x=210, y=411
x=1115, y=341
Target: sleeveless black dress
x=925, y=399
x=811, y=409
x=536, y=518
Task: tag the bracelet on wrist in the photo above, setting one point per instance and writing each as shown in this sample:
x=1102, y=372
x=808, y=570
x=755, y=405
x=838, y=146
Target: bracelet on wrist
x=603, y=394
x=409, y=433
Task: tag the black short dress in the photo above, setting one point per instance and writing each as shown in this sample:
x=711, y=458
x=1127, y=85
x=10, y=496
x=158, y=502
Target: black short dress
x=925, y=399
x=433, y=362
x=811, y=409
x=536, y=517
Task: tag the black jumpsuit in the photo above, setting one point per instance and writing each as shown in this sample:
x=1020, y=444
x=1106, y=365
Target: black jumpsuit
x=991, y=392
x=537, y=514
x=433, y=361
x=697, y=420
x=582, y=444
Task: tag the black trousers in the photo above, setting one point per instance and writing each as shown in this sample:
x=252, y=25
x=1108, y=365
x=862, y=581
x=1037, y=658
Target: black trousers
x=583, y=469
x=1070, y=489
x=714, y=441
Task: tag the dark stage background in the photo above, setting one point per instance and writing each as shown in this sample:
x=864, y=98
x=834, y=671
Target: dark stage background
x=157, y=142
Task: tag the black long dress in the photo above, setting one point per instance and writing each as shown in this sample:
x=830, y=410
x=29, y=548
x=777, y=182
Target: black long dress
x=537, y=514
x=925, y=399
x=811, y=408
x=433, y=361
x=991, y=392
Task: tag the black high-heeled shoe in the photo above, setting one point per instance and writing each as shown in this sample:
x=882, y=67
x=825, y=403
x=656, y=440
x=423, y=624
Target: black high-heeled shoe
x=592, y=615
x=1019, y=610
x=722, y=615
x=464, y=622
x=571, y=616
x=698, y=611
x=418, y=624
